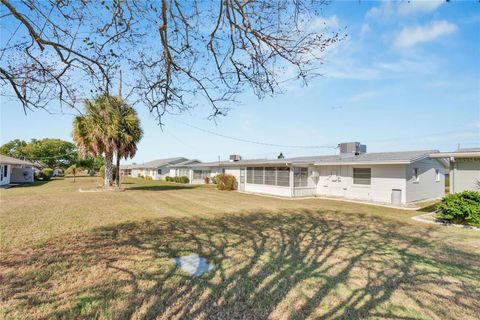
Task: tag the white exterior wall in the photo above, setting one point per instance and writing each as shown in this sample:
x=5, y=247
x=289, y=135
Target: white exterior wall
x=267, y=189
x=5, y=180
x=464, y=175
x=337, y=181
x=426, y=187
x=234, y=172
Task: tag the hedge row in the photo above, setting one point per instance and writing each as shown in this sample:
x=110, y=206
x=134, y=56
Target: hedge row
x=178, y=179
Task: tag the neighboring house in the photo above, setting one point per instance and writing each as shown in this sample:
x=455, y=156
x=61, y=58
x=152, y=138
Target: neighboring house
x=388, y=177
x=15, y=171
x=157, y=169
x=464, y=168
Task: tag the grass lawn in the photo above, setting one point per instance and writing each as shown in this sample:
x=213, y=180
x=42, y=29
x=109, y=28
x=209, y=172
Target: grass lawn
x=66, y=254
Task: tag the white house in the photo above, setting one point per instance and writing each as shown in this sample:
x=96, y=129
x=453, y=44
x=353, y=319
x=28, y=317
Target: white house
x=157, y=169
x=15, y=170
x=398, y=178
x=464, y=168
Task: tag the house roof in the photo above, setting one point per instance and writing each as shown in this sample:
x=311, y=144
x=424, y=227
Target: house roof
x=460, y=153
x=155, y=163
x=9, y=160
x=185, y=163
x=402, y=157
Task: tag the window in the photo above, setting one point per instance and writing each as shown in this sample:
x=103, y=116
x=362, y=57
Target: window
x=301, y=177
x=159, y=171
x=362, y=176
x=5, y=170
x=437, y=175
x=270, y=176
x=415, y=174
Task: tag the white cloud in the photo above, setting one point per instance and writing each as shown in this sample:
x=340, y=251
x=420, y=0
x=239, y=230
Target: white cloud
x=365, y=29
x=319, y=23
x=410, y=36
x=389, y=9
x=406, y=8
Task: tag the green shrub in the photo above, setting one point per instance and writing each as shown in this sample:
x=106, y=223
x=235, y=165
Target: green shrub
x=148, y=178
x=226, y=182
x=168, y=178
x=47, y=173
x=462, y=208
x=183, y=179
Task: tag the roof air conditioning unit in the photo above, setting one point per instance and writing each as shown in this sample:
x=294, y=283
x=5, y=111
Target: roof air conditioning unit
x=235, y=157
x=352, y=148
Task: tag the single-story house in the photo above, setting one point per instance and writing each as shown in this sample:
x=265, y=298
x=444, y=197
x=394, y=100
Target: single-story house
x=157, y=169
x=464, y=168
x=398, y=178
x=14, y=170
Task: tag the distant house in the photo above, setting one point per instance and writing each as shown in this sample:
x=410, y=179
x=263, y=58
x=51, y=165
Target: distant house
x=396, y=178
x=15, y=170
x=157, y=169
x=464, y=168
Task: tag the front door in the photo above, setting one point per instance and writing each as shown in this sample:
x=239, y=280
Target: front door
x=335, y=186
x=241, y=186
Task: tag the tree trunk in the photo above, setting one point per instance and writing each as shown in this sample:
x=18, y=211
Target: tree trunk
x=108, y=180
x=117, y=172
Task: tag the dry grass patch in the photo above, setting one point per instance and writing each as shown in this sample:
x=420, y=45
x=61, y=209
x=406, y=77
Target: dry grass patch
x=284, y=260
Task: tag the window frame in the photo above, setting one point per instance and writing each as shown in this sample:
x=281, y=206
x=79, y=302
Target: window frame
x=415, y=176
x=357, y=179
x=300, y=177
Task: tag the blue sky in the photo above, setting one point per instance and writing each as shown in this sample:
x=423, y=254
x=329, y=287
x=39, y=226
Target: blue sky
x=406, y=78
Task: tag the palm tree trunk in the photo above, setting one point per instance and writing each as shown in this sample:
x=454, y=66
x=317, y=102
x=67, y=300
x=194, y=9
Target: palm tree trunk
x=108, y=181
x=117, y=172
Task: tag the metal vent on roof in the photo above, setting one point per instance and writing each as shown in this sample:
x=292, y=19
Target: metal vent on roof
x=355, y=148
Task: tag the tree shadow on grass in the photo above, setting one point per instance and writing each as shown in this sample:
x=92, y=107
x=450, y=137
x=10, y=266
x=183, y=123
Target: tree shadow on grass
x=161, y=187
x=35, y=183
x=289, y=265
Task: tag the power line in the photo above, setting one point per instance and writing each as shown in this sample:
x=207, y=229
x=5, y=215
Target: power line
x=252, y=141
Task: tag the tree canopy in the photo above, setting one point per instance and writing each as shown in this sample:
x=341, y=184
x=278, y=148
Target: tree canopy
x=50, y=152
x=108, y=126
x=173, y=52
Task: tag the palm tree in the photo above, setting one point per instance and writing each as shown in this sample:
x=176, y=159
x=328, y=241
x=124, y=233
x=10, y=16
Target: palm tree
x=128, y=133
x=108, y=126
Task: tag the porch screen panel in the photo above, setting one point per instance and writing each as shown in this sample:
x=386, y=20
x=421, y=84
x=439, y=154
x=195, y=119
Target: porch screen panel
x=197, y=174
x=258, y=176
x=283, y=177
x=270, y=176
x=301, y=177
x=183, y=173
x=249, y=175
